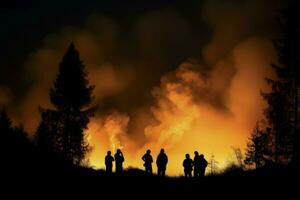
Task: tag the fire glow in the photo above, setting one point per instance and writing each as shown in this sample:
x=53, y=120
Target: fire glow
x=183, y=122
x=208, y=104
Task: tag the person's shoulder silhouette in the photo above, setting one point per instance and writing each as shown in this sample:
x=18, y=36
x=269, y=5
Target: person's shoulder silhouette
x=109, y=162
x=162, y=158
x=108, y=158
x=187, y=161
x=119, y=158
x=161, y=162
x=188, y=165
x=147, y=158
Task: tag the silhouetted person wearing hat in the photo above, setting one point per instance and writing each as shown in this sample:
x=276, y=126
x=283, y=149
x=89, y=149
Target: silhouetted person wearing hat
x=147, y=158
x=188, y=166
x=161, y=162
x=119, y=158
x=203, y=165
x=197, y=164
x=109, y=162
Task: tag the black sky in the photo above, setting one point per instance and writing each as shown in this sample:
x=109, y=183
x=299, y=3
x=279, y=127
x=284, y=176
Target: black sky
x=24, y=24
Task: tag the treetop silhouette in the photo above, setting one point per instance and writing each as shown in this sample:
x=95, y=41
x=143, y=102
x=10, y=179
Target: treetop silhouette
x=62, y=129
x=71, y=88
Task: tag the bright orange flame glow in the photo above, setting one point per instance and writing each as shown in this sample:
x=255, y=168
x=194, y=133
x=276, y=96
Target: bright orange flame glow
x=187, y=113
x=185, y=122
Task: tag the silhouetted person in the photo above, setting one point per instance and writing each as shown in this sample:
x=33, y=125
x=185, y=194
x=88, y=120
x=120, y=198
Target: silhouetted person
x=188, y=166
x=203, y=165
x=119, y=158
x=147, y=158
x=161, y=162
x=197, y=164
x=109, y=162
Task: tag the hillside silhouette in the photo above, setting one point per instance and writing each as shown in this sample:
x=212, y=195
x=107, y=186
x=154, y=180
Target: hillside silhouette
x=28, y=167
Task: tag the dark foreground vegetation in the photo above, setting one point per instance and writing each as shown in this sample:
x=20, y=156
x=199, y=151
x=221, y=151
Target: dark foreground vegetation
x=30, y=168
x=36, y=168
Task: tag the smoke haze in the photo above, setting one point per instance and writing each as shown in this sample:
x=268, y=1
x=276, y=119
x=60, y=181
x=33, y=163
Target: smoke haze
x=163, y=80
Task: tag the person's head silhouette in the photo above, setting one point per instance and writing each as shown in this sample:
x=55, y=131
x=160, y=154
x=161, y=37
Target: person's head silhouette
x=109, y=153
x=187, y=155
x=162, y=151
x=201, y=156
x=118, y=151
x=148, y=151
x=196, y=153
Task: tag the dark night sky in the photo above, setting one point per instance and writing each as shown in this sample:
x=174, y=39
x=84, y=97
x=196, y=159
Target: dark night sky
x=26, y=23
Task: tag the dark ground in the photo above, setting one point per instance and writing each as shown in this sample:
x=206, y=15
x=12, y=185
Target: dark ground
x=134, y=183
x=30, y=172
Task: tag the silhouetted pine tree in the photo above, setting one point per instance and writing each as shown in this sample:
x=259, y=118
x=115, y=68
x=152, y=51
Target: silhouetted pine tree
x=257, y=148
x=282, y=111
x=279, y=121
x=5, y=132
x=289, y=48
x=15, y=148
x=5, y=123
x=62, y=129
x=20, y=138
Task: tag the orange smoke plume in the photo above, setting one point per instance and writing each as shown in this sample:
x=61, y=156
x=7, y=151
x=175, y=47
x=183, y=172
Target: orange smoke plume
x=207, y=104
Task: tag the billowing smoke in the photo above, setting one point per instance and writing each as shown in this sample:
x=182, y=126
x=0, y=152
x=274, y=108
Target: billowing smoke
x=189, y=118
x=176, y=109
x=114, y=126
x=151, y=94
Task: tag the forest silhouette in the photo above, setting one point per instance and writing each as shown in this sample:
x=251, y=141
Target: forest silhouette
x=59, y=147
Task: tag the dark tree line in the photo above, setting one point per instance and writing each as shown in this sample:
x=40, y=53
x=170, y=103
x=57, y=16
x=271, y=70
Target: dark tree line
x=59, y=145
x=278, y=139
x=16, y=150
x=258, y=147
x=13, y=138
